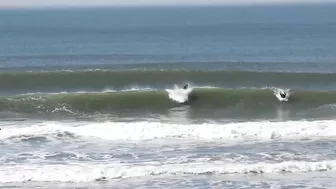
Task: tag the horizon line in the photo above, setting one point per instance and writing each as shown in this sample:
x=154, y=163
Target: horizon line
x=142, y=5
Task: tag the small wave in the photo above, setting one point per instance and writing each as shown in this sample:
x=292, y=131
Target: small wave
x=95, y=172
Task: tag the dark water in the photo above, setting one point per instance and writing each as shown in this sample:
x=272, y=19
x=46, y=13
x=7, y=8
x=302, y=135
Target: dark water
x=95, y=38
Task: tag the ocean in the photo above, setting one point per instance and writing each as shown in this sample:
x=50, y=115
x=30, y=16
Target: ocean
x=92, y=98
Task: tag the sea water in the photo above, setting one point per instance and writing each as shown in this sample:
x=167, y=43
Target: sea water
x=84, y=97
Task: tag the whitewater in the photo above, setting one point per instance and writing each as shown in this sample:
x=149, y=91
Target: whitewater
x=87, y=153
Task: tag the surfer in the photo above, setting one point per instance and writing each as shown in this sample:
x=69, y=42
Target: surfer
x=185, y=86
x=283, y=94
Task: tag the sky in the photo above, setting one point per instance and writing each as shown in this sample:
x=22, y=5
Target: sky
x=58, y=3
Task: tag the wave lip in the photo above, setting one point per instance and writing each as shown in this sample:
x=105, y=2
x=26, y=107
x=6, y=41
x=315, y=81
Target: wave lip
x=98, y=172
x=124, y=132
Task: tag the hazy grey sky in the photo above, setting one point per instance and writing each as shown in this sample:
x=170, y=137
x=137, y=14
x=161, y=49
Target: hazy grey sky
x=52, y=3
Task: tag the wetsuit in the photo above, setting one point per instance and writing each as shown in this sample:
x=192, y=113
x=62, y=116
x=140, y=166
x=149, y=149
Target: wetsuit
x=283, y=95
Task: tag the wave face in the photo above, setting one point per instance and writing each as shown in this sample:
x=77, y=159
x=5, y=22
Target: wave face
x=226, y=103
x=58, y=81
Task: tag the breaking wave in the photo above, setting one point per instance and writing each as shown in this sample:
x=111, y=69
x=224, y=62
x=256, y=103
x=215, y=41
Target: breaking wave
x=134, y=131
x=259, y=100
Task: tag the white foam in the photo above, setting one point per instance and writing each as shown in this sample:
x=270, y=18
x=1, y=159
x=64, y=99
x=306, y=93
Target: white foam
x=278, y=91
x=137, y=88
x=107, y=90
x=155, y=130
x=63, y=109
x=106, y=171
x=175, y=92
x=178, y=94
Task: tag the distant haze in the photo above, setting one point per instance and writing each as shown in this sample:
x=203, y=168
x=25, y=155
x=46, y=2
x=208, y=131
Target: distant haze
x=58, y=3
